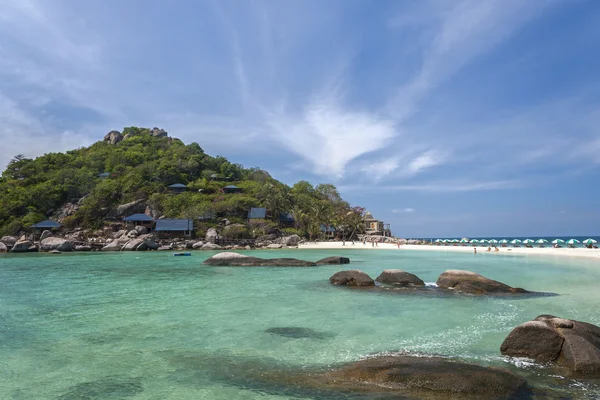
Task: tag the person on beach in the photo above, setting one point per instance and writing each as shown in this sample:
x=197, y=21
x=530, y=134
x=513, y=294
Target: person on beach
x=489, y=249
x=496, y=249
x=474, y=250
x=373, y=243
x=343, y=242
x=352, y=242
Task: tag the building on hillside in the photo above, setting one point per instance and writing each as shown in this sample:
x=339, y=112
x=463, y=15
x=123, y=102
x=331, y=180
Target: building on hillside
x=139, y=220
x=174, y=228
x=45, y=225
x=328, y=230
x=257, y=213
x=177, y=188
x=218, y=178
x=104, y=175
x=286, y=219
x=232, y=189
x=376, y=227
x=207, y=216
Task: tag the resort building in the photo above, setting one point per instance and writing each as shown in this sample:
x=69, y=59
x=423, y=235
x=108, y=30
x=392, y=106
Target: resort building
x=376, y=227
x=171, y=228
x=104, y=175
x=45, y=225
x=286, y=219
x=139, y=220
x=177, y=188
x=257, y=213
x=232, y=189
x=328, y=230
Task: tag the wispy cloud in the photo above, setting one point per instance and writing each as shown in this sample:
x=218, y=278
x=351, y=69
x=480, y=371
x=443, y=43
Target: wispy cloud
x=446, y=186
x=403, y=210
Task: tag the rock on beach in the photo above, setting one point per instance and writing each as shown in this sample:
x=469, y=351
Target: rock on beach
x=473, y=283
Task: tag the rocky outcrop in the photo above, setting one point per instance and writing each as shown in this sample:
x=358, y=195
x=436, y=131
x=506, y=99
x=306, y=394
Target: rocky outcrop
x=45, y=234
x=197, y=245
x=119, y=234
x=125, y=210
x=569, y=343
x=211, y=235
x=9, y=241
x=66, y=210
x=334, y=261
x=156, y=132
x=3, y=248
x=141, y=230
x=113, y=246
x=240, y=260
x=274, y=246
x=352, y=277
x=397, y=277
x=153, y=211
x=132, y=234
x=140, y=244
x=431, y=378
x=83, y=248
x=292, y=240
x=23, y=246
x=472, y=283
x=210, y=246
x=54, y=243
x=113, y=137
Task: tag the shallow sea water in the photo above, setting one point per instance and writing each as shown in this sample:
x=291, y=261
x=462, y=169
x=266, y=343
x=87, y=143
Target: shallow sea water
x=153, y=326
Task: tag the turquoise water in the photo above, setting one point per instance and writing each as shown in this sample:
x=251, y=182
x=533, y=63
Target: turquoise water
x=153, y=326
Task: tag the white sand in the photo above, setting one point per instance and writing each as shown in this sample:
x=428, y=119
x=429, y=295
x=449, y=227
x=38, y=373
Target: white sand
x=547, y=251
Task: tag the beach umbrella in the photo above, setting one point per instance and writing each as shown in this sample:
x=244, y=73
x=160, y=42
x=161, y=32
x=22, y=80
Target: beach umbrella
x=515, y=241
x=504, y=241
x=438, y=240
x=527, y=241
x=493, y=241
x=474, y=241
x=572, y=241
x=464, y=240
x=454, y=240
x=558, y=241
x=590, y=241
x=541, y=241
x=483, y=241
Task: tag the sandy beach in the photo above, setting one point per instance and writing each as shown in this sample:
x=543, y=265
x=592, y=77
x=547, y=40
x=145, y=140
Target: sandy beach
x=547, y=251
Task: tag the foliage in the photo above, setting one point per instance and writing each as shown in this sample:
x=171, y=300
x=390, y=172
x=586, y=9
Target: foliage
x=143, y=166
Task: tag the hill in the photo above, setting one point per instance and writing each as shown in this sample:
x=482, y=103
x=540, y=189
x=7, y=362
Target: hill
x=131, y=171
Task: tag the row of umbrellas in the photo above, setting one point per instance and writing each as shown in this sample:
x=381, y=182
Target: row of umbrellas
x=516, y=241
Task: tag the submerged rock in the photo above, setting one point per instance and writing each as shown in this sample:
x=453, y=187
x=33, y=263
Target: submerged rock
x=569, y=343
x=111, y=387
x=473, y=283
x=297, y=332
x=352, y=277
x=54, y=243
x=334, y=261
x=239, y=260
x=397, y=277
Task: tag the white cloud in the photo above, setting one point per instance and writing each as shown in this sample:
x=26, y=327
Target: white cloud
x=403, y=210
x=424, y=161
x=448, y=186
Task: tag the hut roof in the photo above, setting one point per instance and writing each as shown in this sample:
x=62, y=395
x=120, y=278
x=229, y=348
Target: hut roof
x=104, y=175
x=257, y=213
x=139, y=218
x=174, y=225
x=231, y=187
x=46, y=224
x=177, y=186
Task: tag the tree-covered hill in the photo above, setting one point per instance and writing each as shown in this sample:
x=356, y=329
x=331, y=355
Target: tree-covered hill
x=139, y=165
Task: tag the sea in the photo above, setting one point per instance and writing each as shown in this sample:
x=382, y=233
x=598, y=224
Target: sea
x=152, y=326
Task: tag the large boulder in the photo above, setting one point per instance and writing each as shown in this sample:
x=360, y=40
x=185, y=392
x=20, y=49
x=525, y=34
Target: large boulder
x=54, y=243
x=197, y=245
x=3, y=248
x=132, y=234
x=335, y=260
x=240, y=260
x=352, y=277
x=156, y=132
x=113, y=137
x=473, y=283
x=274, y=246
x=119, y=234
x=83, y=248
x=571, y=344
x=125, y=210
x=22, y=246
x=211, y=235
x=135, y=245
x=397, y=277
x=45, y=234
x=292, y=240
x=113, y=246
x=9, y=241
x=210, y=246
x=141, y=230
x=431, y=378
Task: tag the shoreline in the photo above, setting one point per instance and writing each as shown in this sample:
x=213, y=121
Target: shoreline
x=547, y=251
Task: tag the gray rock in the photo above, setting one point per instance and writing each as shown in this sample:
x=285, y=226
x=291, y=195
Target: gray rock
x=292, y=240
x=470, y=282
x=22, y=246
x=54, y=243
x=3, y=248
x=125, y=210
x=113, y=137
x=352, y=277
x=569, y=343
x=132, y=234
x=83, y=248
x=9, y=241
x=45, y=234
x=210, y=246
x=141, y=230
x=398, y=277
x=274, y=246
x=211, y=235
x=113, y=246
x=165, y=248
x=135, y=245
x=334, y=261
x=240, y=260
x=197, y=245
x=156, y=132
x=150, y=244
x=119, y=234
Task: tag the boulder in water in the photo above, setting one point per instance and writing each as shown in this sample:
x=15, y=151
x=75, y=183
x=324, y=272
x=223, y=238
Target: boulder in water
x=397, y=277
x=571, y=344
x=335, y=260
x=135, y=245
x=3, y=248
x=23, y=246
x=297, y=332
x=473, y=283
x=352, y=277
x=54, y=243
x=240, y=260
x=9, y=241
x=113, y=246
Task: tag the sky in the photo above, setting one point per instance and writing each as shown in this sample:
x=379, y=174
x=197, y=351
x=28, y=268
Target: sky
x=442, y=118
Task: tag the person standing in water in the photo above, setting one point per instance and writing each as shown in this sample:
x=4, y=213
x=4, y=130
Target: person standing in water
x=474, y=250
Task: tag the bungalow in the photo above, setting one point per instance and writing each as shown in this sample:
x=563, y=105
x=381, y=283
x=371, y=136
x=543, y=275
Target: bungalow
x=104, y=175
x=376, y=227
x=257, y=213
x=328, y=230
x=174, y=227
x=139, y=220
x=45, y=225
x=286, y=219
x=177, y=188
x=232, y=189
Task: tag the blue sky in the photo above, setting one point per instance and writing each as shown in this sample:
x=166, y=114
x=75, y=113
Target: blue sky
x=444, y=118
